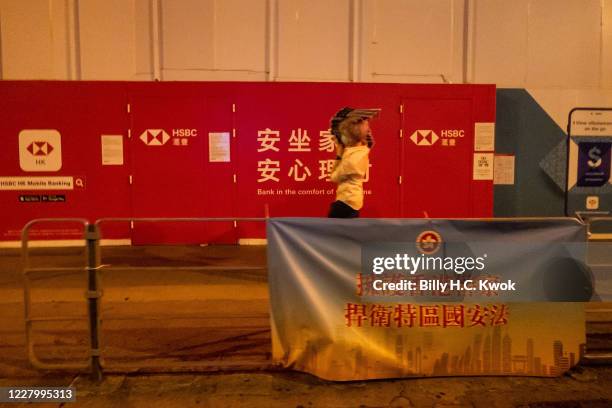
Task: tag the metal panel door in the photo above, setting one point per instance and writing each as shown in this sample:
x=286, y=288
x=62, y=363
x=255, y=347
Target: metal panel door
x=171, y=173
x=437, y=157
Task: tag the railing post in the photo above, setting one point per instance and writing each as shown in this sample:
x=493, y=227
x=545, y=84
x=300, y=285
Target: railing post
x=93, y=297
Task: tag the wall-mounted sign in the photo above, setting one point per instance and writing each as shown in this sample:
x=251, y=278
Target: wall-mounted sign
x=504, y=169
x=589, y=188
x=483, y=166
x=484, y=136
x=219, y=147
x=112, y=150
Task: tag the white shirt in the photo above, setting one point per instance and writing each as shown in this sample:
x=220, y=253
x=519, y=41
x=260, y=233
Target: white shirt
x=349, y=174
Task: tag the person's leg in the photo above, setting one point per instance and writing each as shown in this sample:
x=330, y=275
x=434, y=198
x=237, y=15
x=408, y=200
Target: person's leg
x=339, y=209
x=335, y=211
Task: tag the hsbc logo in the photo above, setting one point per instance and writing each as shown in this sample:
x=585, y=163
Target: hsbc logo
x=40, y=148
x=424, y=137
x=154, y=137
x=453, y=133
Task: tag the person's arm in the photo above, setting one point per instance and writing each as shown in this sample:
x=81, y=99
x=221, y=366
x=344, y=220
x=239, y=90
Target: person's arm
x=337, y=173
x=353, y=163
x=334, y=176
x=370, y=141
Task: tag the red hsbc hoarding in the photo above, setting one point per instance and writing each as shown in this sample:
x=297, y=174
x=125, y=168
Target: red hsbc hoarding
x=75, y=115
x=230, y=149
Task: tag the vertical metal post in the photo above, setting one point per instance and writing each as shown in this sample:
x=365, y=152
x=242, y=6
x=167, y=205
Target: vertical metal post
x=25, y=260
x=93, y=298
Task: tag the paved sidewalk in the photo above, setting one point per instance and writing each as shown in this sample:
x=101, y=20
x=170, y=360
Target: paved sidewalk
x=165, y=316
x=584, y=387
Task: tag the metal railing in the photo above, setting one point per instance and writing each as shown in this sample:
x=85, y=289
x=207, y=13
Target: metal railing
x=177, y=365
x=93, y=295
x=27, y=299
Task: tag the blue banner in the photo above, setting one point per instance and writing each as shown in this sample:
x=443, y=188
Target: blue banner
x=332, y=316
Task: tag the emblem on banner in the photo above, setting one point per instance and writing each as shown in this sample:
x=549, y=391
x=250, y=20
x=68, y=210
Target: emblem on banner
x=428, y=242
x=424, y=137
x=154, y=137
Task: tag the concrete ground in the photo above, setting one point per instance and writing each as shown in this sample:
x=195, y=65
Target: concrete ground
x=585, y=387
x=209, y=323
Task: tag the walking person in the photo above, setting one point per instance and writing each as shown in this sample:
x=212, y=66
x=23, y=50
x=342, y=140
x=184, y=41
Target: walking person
x=351, y=128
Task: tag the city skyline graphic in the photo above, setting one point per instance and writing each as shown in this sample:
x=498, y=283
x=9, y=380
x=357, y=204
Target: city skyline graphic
x=531, y=344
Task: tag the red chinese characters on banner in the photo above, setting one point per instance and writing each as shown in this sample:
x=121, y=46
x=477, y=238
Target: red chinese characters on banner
x=380, y=316
x=453, y=315
x=404, y=315
x=429, y=316
x=355, y=314
x=408, y=315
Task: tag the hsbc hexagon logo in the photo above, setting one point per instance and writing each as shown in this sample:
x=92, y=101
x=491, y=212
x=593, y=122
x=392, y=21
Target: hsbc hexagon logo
x=154, y=137
x=424, y=137
x=40, y=150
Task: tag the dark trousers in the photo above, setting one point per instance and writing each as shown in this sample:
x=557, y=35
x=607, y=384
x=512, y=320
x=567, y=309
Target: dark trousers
x=340, y=209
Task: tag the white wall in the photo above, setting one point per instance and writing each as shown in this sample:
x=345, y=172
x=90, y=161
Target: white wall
x=536, y=44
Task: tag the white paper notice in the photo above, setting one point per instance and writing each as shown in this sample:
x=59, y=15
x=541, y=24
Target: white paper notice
x=483, y=166
x=504, y=169
x=219, y=147
x=484, y=136
x=112, y=150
